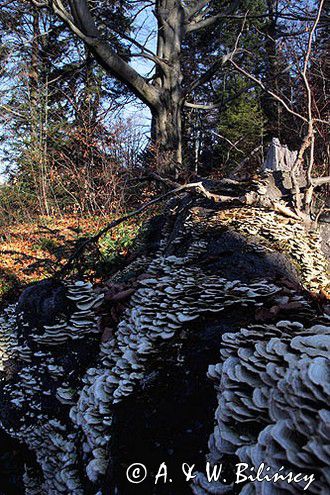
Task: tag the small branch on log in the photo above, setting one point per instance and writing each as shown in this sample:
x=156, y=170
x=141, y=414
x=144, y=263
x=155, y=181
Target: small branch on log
x=253, y=198
x=197, y=186
x=200, y=188
x=284, y=210
x=320, y=181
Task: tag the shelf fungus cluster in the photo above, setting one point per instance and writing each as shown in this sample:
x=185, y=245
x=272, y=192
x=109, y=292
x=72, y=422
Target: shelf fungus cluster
x=286, y=236
x=7, y=336
x=273, y=388
x=174, y=296
x=80, y=323
x=67, y=383
x=35, y=401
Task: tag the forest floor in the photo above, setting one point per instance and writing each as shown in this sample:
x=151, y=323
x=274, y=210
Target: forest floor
x=34, y=250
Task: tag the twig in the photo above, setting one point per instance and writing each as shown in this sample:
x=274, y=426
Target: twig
x=309, y=140
x=320, y=181
x=233, y=145
x=321, y=210
x=241, y=165
x=197, y=186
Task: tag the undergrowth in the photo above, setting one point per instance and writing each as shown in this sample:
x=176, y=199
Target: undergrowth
x=31, y=251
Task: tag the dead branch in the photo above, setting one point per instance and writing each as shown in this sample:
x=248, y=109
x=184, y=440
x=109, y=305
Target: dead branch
x=309, y=139
x=310, y=187
x=232, y=145
x=242, y=164
x=218, y=103
x=267, y=90
x=195, y=186
x=320, y=181
x=284, y=210
x=197, y=24
x=252, y=198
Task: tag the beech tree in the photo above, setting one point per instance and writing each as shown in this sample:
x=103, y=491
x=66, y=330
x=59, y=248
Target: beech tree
x=166, y=91
x=189, y=46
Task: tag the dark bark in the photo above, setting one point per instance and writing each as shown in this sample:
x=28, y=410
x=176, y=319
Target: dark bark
x=167, y=136
x=167, y=125
x=164, y=95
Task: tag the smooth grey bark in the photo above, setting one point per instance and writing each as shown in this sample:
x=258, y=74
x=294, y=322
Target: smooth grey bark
x=167, y=125
x=164, y=94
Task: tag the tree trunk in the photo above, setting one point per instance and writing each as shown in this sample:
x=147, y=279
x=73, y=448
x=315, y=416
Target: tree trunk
x=165, y=94
x=167, y=136
x=166, y=130
x=269, y=105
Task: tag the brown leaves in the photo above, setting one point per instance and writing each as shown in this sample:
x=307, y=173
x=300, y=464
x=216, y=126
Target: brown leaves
x=32, y=251
x=121, y=296
x=116, y=298
x=268, y=314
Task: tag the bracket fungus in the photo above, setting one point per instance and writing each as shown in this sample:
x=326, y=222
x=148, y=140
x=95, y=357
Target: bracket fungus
x=272, y=394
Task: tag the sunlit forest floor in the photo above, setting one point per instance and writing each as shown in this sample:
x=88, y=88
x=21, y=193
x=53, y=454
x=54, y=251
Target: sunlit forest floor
x=34, y=250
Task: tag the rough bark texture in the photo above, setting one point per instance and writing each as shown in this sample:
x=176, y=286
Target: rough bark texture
x=166, y=91
x=167, y=137
x=88, y=399
x=167, y=126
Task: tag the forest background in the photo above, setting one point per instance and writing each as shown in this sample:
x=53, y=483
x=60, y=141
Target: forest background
x=97, y=98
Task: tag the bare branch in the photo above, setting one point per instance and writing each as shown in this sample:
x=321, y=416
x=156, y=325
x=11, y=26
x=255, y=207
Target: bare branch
x=308, y=89
x=242, y=164
x=38, y=4
x=218, y=104
x=208, y=74
x=233, y=145
x=270, y=92
x=309, y=140
x=320, y=181
x=145, y=52
x=201, y=106
x=12, y=111
x=195, y=7
x=209, y=21
x=82, y=24
x=196, y=186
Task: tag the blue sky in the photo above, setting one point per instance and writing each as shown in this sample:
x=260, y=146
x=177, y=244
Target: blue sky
x=146, y=23
x=137, y=112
